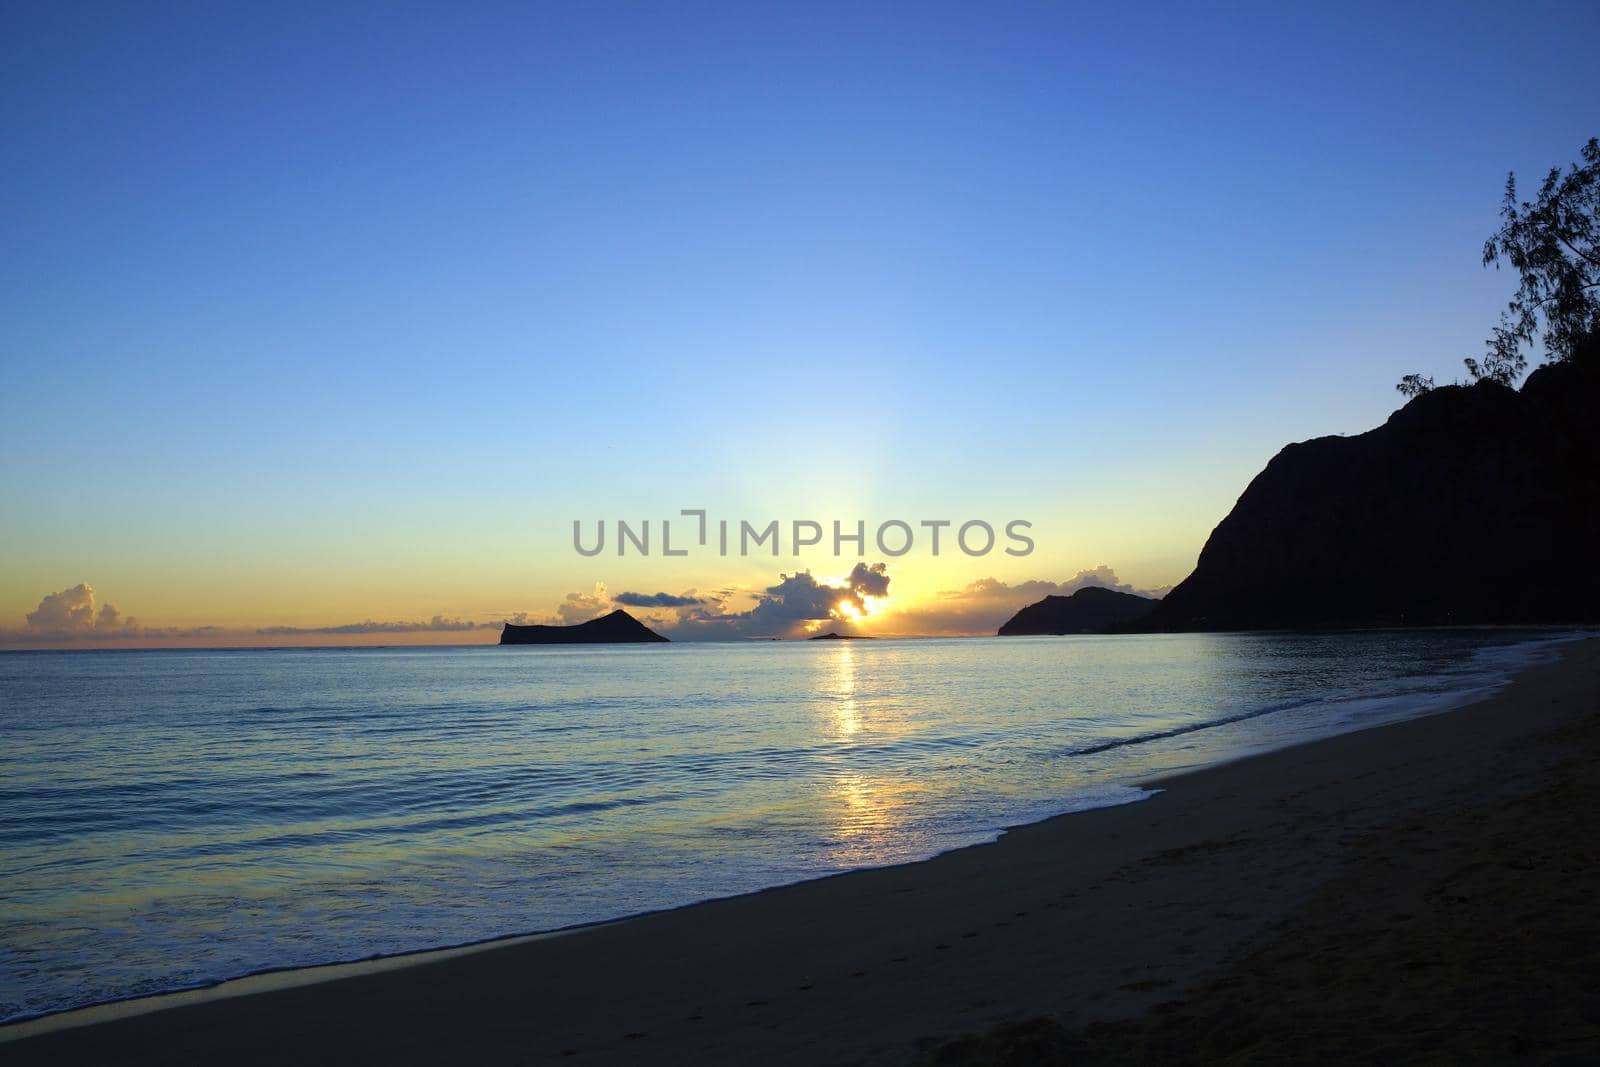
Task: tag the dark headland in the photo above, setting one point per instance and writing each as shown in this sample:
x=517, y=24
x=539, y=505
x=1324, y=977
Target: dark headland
x=833, y=636
x=1090, y=610
x=617, y=628
x=1472, y=504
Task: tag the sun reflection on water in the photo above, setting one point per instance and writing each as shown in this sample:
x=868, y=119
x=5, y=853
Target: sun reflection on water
x=865, y=812
x=869, y=820
x=846, y=713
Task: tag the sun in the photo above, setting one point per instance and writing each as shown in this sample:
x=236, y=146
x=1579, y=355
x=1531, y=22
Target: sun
x=847, y=609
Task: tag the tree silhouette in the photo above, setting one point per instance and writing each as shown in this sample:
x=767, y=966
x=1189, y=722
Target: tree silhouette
x=1554, y=244
x=1414, y=385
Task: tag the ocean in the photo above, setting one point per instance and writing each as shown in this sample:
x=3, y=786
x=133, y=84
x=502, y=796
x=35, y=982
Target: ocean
x=169, y=819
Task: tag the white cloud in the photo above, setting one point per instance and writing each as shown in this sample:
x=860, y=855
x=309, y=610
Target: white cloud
x=71, y=613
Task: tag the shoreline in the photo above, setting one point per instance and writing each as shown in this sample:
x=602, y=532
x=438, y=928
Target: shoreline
x=1537, y=650
x=957, y=877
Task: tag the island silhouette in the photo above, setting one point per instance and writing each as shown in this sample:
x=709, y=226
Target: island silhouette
x=1092, y=609
x=616, y=628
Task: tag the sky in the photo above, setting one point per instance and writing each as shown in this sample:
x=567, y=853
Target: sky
x=323, y=326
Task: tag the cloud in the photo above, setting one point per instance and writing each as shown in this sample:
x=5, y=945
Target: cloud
x=437, y=624
x=71, y=614
x=870, y=581
x=573, y=609
x=788, y=608
x=796, y=603
x=581, y=607
x=793, y=606
x=658, y=600
x=983, y=605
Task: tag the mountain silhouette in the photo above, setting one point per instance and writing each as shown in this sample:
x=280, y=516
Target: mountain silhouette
x=1092, y=609
x=1471, y=505
x=617, y=628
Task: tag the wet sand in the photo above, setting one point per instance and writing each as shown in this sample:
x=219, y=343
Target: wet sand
x=1419, y=891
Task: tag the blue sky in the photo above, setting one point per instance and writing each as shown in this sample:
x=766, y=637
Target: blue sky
x=311, y=314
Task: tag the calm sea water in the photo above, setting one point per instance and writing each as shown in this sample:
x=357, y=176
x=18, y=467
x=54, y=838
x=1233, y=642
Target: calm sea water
x=172, y=818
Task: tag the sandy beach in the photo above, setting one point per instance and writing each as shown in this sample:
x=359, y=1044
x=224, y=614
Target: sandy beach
x=1417, y=891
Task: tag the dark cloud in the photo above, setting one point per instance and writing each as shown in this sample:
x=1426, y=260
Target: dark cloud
x=788, y=608
x=797, y=602
x=870, y=581
x=658, y=600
